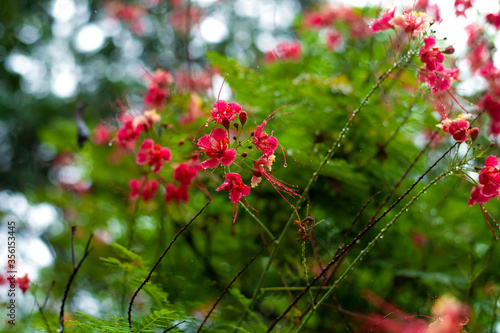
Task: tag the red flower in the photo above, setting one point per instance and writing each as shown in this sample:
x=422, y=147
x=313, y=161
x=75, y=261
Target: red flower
x=185, y=173
x=24, y=283
x=489, y=182
x=235, y=186
x=148, y=189
x=383, y=22
x=158, y=89
x=431, y=56
x=153, y=155
x=459, y=128
x=439, y=81
x=494, y=19
x=285, y=51
x=224, y=113
x=177, y=194
x=215, y=146
x=263, y=142
x=128, y=132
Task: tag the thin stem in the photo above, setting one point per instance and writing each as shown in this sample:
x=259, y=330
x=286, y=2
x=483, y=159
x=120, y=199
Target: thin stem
x=70, y=281
x=336, y=145
x=156, y=264
x=258, y=221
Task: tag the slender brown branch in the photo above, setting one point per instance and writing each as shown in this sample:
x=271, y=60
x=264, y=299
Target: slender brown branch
x=157, y=263
x=353, y=242
x=171, y=328
x=72, y=277
x=229, y=286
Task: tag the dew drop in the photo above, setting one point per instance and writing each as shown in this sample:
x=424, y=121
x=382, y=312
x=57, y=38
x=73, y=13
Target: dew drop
x=285, y=165
x=206, y=125
x=381, y=236
x=110, y=144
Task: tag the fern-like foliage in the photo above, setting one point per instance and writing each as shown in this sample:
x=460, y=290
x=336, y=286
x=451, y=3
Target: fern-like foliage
x=137, y=269
x=157, y=321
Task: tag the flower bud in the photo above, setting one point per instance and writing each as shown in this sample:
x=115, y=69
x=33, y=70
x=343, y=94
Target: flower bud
x=236, y=125
x=449, y=50
x=225, y=123
x=243, y=117
x=474, y=133
x=244, y=154
x=256, y=173
x=181, y=142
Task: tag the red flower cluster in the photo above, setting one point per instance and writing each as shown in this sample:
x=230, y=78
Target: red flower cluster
x=434, y=73
x=153, y=154
x=184, y=174
x=494, y=19
x=326, y=16
x=22, y=282
x=459, y=128
x=149, y=188
x=383, y=22
x=158, y=89
x=285, y=51
x=489, y=182
x=132, y=14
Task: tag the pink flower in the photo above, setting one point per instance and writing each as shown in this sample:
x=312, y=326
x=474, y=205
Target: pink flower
x=489, y=182
x=24, y=283
x=149, y=188
x=153, y=155
x=285, y=51
x=333, y=40
x=439, y=81
x=459, y=128
x=215, y=146
x=263, y=142
x=494, y=19
x=127, y=133
x=412, y=21
x=158, y=88
x=177, y=194
x=224, y=113
x=431, y=56
x=383, y=22
x=259, y=171
x=461, y=6
x=235, y=186
x=102, y=135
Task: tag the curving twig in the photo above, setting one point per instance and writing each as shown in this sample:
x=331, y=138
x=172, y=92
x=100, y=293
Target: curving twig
x=146, y=280
x=73, y=275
